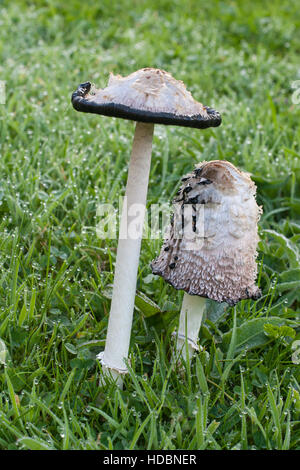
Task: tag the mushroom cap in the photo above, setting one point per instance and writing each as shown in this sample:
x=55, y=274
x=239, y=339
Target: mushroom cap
x=219, y=262
x=148, y=95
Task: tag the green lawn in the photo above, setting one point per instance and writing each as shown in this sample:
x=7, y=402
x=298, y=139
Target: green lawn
x=56, y=165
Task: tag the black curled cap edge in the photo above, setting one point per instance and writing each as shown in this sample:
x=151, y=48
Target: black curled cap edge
x=80, y=103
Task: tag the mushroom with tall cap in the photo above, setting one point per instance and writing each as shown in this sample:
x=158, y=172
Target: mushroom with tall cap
x=210, y=250
x=149, y=96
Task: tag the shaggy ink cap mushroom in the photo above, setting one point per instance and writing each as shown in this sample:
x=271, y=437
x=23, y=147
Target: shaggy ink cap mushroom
x=220, y=262
x=148, y=95
x=223, y=268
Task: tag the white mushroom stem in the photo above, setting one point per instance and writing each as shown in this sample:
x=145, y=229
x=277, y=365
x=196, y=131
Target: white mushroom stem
x=191, y=314
x=128, y=252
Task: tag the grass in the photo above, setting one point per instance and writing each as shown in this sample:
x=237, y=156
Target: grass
x=242, y=391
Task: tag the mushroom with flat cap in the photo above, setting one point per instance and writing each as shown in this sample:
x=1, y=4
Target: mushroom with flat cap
x=149, y=96
x=216, y=258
